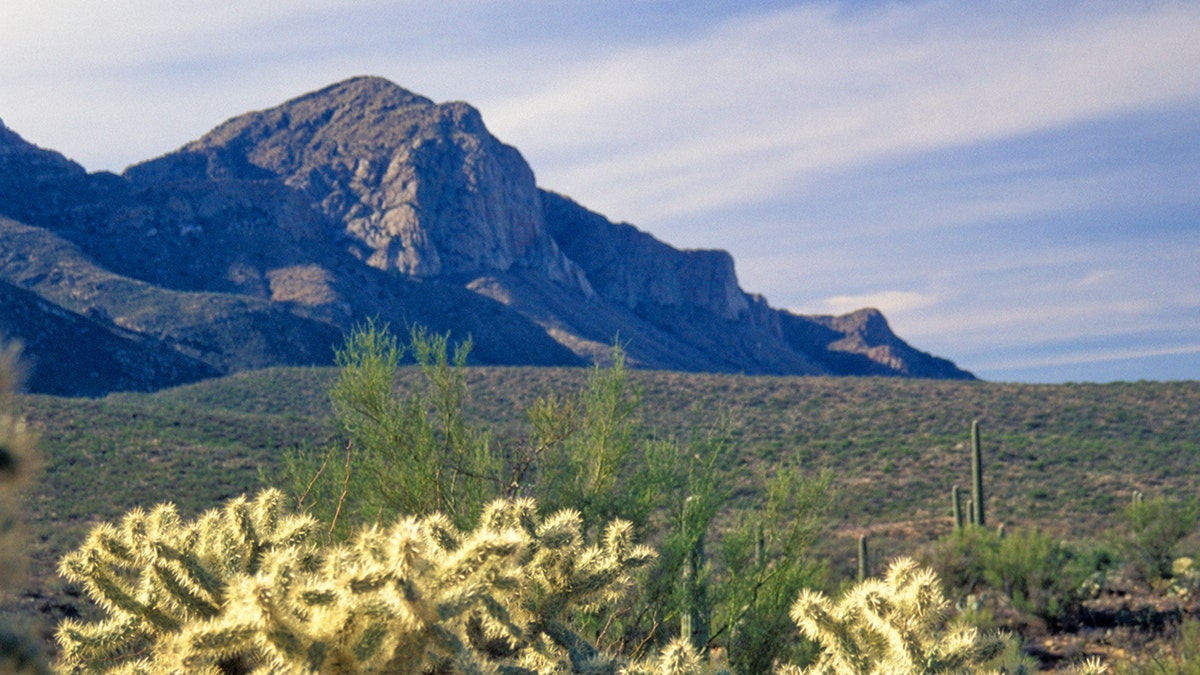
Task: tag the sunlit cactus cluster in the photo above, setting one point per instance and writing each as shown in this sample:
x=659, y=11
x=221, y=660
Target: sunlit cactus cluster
x=897, y=624
x=251, y=588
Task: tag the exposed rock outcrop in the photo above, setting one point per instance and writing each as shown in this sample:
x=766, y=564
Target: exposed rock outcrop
x=422, y=188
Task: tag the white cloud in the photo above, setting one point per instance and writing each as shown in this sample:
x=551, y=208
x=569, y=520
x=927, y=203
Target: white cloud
x=1090, y=356
x=888, y=302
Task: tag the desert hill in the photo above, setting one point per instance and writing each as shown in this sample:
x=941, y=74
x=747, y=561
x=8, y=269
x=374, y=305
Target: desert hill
x=260, y=243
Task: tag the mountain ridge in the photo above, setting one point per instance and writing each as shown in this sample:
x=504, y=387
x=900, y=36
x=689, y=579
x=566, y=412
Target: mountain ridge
x=265, y=239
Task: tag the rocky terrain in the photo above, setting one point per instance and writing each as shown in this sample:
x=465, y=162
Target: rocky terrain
x=263, y=241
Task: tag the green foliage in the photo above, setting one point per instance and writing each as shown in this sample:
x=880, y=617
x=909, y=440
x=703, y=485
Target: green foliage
x=1036, y=573
x=411, y=453
x=584, y=447
x=587, y=452
x=765, y=562
x=249, y=589
x=898, y=624
x=1153, y=527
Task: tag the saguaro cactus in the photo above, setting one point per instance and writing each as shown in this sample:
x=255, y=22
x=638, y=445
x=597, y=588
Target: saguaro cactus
x=864, y=565
x=977, y=512
x=956, y=507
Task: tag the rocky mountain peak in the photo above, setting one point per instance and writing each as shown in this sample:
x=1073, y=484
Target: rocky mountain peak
x=266, y=239
x=420, y=188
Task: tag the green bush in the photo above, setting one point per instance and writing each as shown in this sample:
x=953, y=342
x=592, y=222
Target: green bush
x=402, y=453
x=1153, y=527
x=1036, y=573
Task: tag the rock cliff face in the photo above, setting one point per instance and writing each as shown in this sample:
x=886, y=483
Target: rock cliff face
x=631, y=268
x=422, y=189
x=263, y=241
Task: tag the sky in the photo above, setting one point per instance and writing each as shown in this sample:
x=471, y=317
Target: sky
x=1015, y=184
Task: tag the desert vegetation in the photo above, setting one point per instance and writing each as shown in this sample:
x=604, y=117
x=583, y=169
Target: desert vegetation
x=613, y=520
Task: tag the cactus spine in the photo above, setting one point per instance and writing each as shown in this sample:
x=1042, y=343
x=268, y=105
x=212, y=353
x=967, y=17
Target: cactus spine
x=977, y=511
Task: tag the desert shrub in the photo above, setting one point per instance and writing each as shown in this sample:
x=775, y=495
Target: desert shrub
x=249, y=588
x=1037, y=573
x=1180, y=657
x=1152, y=529
x=410, y=452
x=960, y=558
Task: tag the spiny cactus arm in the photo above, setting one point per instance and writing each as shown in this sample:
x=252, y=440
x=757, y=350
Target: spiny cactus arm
x=479, y=559
x=601, y=573
x=97, y=647
x=887, y=638
x=677, y=658
x=962, y=647
x=482, y=582
x=93, y=569
x=580, y=652
x=184, y=594
x=207, y=644
x=845, y=647
x=918, y=614
x=504, y=514
x=514, y=670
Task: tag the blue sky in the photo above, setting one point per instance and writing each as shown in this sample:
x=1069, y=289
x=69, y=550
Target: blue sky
x=1015, y=184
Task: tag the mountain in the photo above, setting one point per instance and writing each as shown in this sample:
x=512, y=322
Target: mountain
x=262, y=242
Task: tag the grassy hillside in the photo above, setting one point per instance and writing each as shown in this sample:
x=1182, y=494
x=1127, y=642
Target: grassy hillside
x=1065, y=457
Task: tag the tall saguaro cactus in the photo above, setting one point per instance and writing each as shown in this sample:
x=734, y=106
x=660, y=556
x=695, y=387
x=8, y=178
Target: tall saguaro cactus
x=977, y=509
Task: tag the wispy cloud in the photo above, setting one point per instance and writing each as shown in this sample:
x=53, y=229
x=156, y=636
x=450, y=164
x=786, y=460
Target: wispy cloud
x=657, y=130
x=1014, y=184
x=889, y=302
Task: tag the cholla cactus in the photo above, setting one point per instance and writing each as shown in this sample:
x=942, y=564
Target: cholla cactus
x=895, y=625
x=247, y=589
x=155, y=575
x=16, y=451
x=18, y=652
